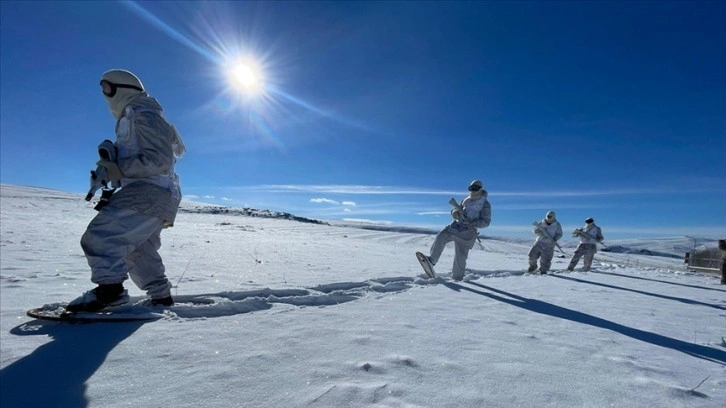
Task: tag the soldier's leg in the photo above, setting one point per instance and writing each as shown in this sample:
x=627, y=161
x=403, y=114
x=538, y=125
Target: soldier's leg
x=460, y=255
x=534, y=254
x=147, y=269
x=548, y=251
x=442, y=238
x=576, y=257
x=588, y=257
x=111, y=237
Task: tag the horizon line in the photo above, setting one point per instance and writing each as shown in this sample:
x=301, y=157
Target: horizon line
x=362, y=189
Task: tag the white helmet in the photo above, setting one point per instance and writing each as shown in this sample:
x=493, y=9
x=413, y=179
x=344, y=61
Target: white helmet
x=119, y=88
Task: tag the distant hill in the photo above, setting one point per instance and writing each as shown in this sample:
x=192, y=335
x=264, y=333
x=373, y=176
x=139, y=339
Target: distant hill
x=247, y=212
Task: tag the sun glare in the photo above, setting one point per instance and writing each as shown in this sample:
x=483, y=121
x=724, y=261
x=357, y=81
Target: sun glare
x=245, y=78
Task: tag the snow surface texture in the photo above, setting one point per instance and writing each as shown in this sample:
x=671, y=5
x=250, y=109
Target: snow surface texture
x=299, y=314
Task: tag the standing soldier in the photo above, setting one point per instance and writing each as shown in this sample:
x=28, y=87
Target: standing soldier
x=589, y=236
x=123, y=239
x=473, y=213
x=548, y=232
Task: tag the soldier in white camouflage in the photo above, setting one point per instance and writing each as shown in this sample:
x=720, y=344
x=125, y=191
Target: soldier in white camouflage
x=548, y=232
x=123, y=240
x=589, y=235
x=477, y=213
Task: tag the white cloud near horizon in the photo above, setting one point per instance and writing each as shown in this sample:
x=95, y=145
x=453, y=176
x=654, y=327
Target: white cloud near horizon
x=668, y=231
x=367, y=221
x=399, y=190
x=323, y=201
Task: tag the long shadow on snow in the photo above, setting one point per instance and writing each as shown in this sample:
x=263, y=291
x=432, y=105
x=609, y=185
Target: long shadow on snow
x=658, y=280
x=538, y=306
x=677, y=299
x=55, y=374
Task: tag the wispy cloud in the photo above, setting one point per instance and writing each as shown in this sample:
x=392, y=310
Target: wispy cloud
x=345, y=189
x=716, y=232
x=365, y=221
x=355, y=189
x=620, y=231
x=540, y=206
x=323, y=201
x=349, y=203
x=590, y=193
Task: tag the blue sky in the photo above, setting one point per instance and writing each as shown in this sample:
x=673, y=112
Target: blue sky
x=381, y=111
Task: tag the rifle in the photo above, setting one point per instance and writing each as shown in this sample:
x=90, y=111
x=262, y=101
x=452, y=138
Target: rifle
x=99, y=177
x=458, y=206
x=547, y=234
x=99, y=180
x=578, y=231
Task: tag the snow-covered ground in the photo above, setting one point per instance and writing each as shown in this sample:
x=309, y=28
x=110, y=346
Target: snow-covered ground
x=314, y=315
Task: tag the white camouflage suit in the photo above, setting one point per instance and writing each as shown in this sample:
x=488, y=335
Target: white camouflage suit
x=544, y=246
x=477, y=214
x=587, y=248
x=124, y=238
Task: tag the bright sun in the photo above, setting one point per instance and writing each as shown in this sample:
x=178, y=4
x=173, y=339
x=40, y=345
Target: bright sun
x=245, y=77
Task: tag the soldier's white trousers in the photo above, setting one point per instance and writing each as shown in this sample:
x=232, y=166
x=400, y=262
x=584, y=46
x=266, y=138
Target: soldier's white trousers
x=544, y=251
x=121, y=243
x=587, y=252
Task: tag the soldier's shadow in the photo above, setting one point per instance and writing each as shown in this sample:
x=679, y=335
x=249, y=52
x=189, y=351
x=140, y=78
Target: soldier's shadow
x=537, y=306
x=55, y=374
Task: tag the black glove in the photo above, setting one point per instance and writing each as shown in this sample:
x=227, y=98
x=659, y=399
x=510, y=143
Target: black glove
x=105, y=198
x=107, y=153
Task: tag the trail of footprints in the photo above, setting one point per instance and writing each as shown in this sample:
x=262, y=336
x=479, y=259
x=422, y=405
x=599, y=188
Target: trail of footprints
x=239, y=302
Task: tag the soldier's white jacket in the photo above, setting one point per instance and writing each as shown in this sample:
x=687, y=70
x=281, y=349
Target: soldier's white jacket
x=554, y=230
x=478, y=214
x=592, y=234
x=147, y=148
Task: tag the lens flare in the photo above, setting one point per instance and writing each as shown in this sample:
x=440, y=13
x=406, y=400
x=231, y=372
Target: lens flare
x=249, y=92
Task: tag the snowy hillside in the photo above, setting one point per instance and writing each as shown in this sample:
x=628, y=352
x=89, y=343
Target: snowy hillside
x=305, y=314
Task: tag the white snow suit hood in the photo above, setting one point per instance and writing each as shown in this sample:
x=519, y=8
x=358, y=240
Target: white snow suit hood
x=125, y=87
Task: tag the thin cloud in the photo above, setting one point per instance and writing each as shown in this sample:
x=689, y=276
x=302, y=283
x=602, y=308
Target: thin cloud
x=716, y=232
x=349, y=203
x=433, y=213
x=628, y=230
x=366, y=221
x=323, y=201
x=355, y=189
x=346, y=189
x=559, y=206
